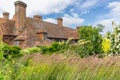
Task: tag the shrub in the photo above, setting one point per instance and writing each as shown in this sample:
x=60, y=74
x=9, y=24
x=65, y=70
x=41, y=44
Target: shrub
x=115, y=40
x=7, y=51
x=106, y=45
x=30, y=50
x=92, y=34
x=56, y=46
x=15, y=51
x=83, y=48
x=44, y=49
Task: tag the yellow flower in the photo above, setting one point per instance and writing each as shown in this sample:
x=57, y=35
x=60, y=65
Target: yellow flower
x=106, y=45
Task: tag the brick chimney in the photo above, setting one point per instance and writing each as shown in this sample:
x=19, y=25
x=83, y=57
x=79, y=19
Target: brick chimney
x=5, y=15
x=78, y=27
x=37, y=17
x=20, y=16
x=60, y=21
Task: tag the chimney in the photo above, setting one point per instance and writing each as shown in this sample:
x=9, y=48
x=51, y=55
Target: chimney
x=60, y=21
x=78, y=27
x=20, y=16
x=37, y=17
x=5, y=15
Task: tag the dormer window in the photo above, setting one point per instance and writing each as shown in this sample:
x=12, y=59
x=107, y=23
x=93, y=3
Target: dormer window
x=42, y=34
x=19, y=40
x=17, y=43
x=45, y=36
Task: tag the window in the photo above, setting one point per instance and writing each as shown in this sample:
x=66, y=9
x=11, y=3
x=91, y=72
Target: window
x=17, y=43
x=45, y=36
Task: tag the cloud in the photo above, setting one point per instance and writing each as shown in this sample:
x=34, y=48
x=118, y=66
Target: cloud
x=48, y=6
x=72, y=20
x=112, y=15
x=114, y=9
x=43, y=7
x=108, y=24
x=51, y=20
x=84, y=12
x=88, y=4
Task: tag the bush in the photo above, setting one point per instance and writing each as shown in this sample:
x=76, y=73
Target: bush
x=106, y=45
x=54, y=47
x=83, y=48
x=7, y=51
x=15, y=51
x=30, y=50
x=92, y=34
x=44, y=49
x=115, y=40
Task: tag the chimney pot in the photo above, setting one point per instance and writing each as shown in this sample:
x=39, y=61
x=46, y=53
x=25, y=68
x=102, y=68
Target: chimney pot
x=78, y=27
x=37, y=17
x=20, y=3
x=6, y=15
x=60, y=21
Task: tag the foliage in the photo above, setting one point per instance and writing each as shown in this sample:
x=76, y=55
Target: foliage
x=83, y=48
x=90, y=68
x=30, y=50
x=106, y=45
x=115, y=40
x=100, y=27
x=7, y=51
x=55, y=47
x=91, y=34
x=44, y=49
x=15, y=51
x=1, y=50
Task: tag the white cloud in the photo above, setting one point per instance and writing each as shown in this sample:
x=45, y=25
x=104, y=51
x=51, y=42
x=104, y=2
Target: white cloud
x=108, y=24
x=88, y=4
x=113, y=15
x=51, y=20
x=69, y=20
x=84, y=12
x=115, y=9
x=72, y=20
x=37, y=6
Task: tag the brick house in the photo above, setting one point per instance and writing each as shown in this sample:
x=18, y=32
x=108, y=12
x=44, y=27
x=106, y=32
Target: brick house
x=28, y=32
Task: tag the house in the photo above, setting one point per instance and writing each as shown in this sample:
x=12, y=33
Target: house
x=28, y=32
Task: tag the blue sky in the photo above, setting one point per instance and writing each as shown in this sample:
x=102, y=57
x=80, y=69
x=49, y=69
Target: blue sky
x=74, y=12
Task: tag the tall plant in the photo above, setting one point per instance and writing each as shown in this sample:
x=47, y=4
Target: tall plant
x=1, y=47
x=115, y=40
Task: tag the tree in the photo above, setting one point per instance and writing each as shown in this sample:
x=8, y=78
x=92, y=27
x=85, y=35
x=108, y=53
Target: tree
x=100, y=27
x=92, y=34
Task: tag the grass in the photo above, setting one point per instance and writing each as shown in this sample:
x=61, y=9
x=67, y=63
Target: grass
x=60, y=67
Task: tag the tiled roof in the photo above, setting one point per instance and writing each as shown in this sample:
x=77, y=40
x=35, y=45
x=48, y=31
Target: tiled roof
x=32, y=27
x=7, y=26
x=53, y=30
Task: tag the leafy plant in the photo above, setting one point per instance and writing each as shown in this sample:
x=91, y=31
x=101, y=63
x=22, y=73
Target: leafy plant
x=30, y=50
x=106, y=45
x=115, y=40
x=91, y=34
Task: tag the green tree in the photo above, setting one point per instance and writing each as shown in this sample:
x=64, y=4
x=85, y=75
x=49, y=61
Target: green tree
x=100, y=27
x=92, y=34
